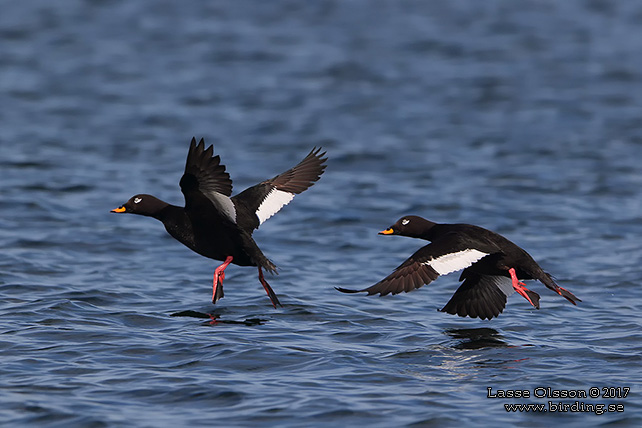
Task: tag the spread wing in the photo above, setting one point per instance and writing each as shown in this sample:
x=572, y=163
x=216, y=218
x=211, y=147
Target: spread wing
x=448, y=254
x=260, y=202
x=205, y=179
x=482, y=296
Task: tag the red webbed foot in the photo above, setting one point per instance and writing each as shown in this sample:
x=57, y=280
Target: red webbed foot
x=217, y=283
x=520, y=287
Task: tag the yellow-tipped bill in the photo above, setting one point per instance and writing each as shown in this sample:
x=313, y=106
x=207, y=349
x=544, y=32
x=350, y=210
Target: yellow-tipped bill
x=119, y=210
x=387, y=232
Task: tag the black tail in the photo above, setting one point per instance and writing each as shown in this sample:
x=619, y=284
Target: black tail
x=256, y=254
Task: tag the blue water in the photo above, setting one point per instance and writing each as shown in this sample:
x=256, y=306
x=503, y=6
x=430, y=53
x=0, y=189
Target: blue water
x=522, y=117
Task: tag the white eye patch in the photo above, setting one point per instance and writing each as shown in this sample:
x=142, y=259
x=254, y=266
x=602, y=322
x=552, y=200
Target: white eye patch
x=405, y=221
x=137, y=200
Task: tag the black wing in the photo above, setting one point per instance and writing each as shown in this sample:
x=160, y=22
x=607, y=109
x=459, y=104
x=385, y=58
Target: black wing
x=409, y=276
x=258, y=203
x=205, y=177
x=447, y=254
x=482, y=296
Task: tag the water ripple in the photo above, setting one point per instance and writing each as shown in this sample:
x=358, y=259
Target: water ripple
x=523, y=118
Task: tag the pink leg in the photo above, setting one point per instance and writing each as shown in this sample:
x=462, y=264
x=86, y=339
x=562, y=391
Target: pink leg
x=219, y=276
x=520, y=287
x=268, y=289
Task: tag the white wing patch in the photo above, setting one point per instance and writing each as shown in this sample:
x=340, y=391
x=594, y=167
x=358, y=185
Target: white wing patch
x=455, y=261
x=273, y=202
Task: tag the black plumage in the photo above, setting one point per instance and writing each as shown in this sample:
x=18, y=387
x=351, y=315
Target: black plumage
x=492, y=267
x=218, y=226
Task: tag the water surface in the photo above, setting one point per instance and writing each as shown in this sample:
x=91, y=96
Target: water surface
x=522, y=117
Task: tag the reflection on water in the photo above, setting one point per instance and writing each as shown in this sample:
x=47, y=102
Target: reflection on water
x=216, y=319
x=476, y=338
